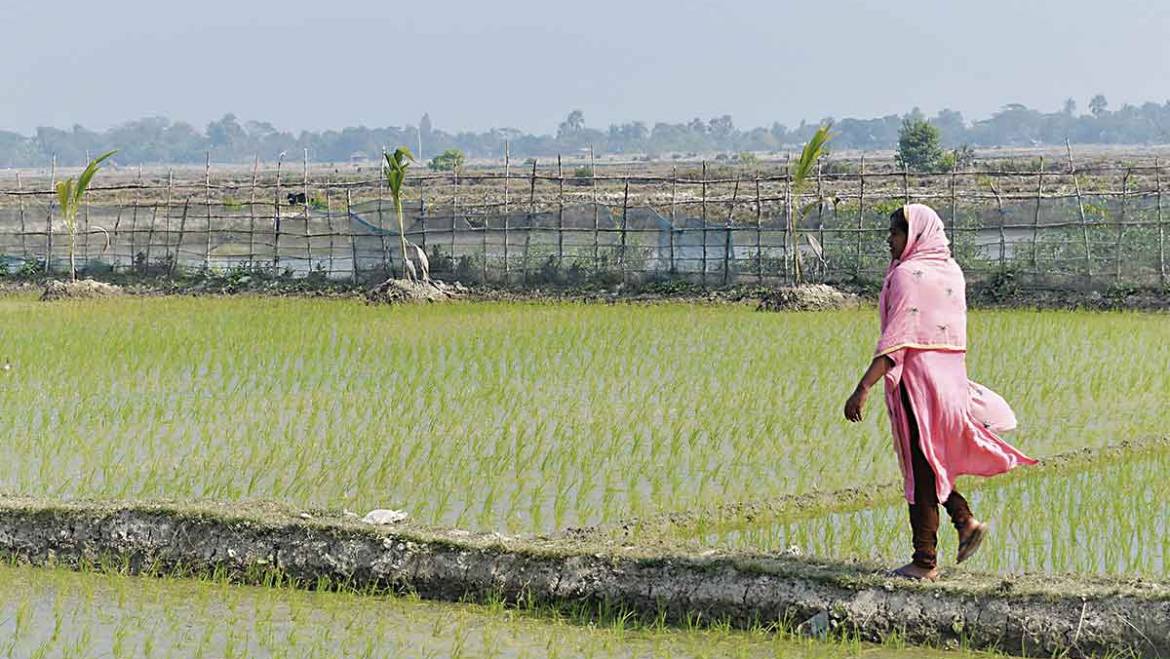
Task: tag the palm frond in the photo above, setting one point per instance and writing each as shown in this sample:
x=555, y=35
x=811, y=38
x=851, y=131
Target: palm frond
x=811, y=153
x=65, y=195
x=816, y=246
x=90, y=171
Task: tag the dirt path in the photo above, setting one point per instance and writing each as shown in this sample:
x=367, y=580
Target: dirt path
x=259, y=542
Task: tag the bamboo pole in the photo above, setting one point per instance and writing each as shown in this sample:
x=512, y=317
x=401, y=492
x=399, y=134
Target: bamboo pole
x=252, y=214
x=23, y=229
x=1121, y=224
x=166, y=223
x=113, y=244
x=381, y=225
x=422, y=219
x=625, y=213
x=727, y=250
x=182, y=228
x=860, y=216
x=560, y=216
x=484, y=235
x=352, y=238
x=906, y=182
x=134, y=222
x=955, y=231
x=507, y=211
x=1002, y=233
x=1081, y=207
x=1161, y=224
x=276, y=219
x=531, y=218
x=329, y=225
x=150, y=237
x=207, y=184
x=305, y=191
x=85, y=227
x=133, y=231
x=673, y=216
x=49, y=217
x=821, y=216
x=759, y=234
x=593, y=187
x=1036, y=215
x=454, y=215
x=789, y=241
x=703, y=220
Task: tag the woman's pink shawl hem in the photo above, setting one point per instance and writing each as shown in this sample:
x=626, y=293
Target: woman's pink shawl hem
x=923, y=308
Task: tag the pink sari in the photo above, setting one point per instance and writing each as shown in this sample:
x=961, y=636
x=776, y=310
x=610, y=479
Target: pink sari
x=923, y=310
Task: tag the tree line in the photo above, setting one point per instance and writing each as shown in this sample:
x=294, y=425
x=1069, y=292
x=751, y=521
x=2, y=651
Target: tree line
x=228, y=139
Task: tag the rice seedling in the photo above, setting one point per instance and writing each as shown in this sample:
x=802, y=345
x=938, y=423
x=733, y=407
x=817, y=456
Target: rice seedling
x=508, y=417
x=72, y=614
x=1106, y=518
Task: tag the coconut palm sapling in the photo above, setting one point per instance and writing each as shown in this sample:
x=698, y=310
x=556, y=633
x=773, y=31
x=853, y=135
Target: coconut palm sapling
x=801, y=178
x=396, y=165
x=70, y=194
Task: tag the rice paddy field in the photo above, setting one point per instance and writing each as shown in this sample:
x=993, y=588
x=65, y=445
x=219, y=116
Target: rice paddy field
x=530, y=418
x=49, y=613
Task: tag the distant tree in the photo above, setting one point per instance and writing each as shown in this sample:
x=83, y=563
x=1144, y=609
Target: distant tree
x=918, y=146
x=226, y=133
x=1098, y=105
x=952, y=128
x=158, y=140
x=447, y=161
x=721, y=128
x=572, y=126
x=1070, y=107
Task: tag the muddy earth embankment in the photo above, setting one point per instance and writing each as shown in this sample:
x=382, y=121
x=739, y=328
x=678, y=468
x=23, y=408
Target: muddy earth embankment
x=1039, y=616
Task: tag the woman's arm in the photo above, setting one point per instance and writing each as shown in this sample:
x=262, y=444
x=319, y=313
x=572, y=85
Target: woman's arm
x=876, y=371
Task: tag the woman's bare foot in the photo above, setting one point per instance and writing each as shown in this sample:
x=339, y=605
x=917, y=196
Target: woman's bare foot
x=970, y=539
x=912, y=571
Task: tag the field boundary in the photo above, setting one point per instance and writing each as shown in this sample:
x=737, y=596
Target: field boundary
x=267, y=543
x=981, y=295
x=656, y=527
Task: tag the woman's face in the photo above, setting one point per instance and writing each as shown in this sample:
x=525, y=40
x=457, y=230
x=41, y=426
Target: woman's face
x=896, y=240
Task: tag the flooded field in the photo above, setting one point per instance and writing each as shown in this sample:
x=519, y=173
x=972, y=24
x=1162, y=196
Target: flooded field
x=1109, y=519
x=529, y=418
x=52, y=613
x=521, y=417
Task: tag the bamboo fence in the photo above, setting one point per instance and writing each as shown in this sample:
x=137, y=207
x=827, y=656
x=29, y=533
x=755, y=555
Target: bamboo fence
x=1047, y=223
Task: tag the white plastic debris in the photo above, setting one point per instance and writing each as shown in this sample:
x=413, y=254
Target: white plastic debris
x=816, y=626
x=383, y=516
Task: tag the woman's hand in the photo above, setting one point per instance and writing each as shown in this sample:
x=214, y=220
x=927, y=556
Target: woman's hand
x=856, y=404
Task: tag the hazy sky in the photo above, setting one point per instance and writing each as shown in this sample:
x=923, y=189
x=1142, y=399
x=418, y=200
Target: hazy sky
x=524, y=64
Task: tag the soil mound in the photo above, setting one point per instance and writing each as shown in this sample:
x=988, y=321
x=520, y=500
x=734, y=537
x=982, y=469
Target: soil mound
x=79, y=290
x=810, y=297
x=403, y=291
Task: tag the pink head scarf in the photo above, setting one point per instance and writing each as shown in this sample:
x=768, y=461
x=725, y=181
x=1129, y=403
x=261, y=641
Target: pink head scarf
x=923, y=303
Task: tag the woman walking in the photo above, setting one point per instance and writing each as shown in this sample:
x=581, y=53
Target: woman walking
x=944, y=425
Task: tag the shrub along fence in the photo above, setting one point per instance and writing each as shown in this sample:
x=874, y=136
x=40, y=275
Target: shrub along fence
x=1045, y=223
